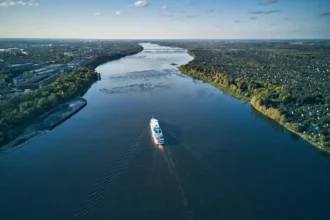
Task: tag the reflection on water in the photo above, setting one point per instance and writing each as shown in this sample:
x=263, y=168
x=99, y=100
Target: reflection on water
x=142, y=87
x=143, y=75
x=294, y=136
x=160, y=147
x=204, y=93
x=272, y=124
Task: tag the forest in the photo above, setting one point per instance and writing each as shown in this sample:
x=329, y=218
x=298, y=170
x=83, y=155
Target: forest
x=20, y=111
x=17, y=113
x=287, y=81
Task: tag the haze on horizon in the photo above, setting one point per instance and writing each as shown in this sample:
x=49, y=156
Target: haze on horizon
x=165, y=19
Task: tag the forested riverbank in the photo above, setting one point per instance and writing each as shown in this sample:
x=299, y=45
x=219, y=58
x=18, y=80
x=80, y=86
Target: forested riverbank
x=20, y=112
x=258, y=94
x=291, y=88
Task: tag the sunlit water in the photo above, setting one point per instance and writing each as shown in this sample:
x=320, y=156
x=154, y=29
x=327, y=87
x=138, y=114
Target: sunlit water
x=222, y=160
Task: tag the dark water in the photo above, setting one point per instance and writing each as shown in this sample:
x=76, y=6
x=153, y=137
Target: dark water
x=222, y=160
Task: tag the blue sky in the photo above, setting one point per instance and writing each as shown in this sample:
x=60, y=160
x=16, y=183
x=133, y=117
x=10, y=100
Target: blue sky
x=165, y=19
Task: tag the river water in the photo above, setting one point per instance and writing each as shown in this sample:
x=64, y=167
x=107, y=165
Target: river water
x=221, y=160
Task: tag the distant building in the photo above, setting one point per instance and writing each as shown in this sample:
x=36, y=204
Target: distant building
x=10, y=50
x=38, y=82
x=76, y=63
x=20, y=67
x=18, y=80
x=55, y=68
x=68, y=54
x=38, y=78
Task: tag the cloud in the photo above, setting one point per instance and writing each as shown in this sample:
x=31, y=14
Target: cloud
x=140, y=3
x=327, y=13
x=253, y=18
x=272, y=12
x=268, y=2
x=210, y=11
x=118, y=12
x=237, y=21
x=264, y=12
x=97, y=13
x=18, y=3
x=255, y=12
x=164, y=7
x=21, y=3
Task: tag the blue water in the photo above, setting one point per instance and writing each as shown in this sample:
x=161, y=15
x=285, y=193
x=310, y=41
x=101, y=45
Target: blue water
x=221, y=160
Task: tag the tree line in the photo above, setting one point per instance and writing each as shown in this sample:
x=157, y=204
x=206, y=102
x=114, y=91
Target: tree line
x=21, y=111
x=17, y=113
x=293, y=88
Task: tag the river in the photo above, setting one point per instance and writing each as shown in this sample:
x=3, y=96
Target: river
x=221, y=160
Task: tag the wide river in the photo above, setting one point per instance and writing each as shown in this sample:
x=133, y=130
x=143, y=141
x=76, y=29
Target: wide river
x=221, y=160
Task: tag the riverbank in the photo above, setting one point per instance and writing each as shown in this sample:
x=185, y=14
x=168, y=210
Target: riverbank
x=61, y=113
x=303, y=136
x=21, y=113
x=233, y=87
x=47, y=122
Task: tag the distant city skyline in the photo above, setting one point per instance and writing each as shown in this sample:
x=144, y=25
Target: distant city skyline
x=166, y=19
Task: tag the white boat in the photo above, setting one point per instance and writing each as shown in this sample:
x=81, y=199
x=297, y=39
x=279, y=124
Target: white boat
x=156, y=131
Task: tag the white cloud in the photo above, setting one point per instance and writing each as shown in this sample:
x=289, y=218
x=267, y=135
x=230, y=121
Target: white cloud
x=18, y=3
x=118, y=12
x=141, y=3
x=164, y=7
x=21, y=3
x=97, y=13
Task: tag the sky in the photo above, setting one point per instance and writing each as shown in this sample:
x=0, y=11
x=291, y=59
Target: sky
x=165, y=19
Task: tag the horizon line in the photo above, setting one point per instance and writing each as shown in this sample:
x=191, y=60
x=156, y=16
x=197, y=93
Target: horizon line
x=76, y=38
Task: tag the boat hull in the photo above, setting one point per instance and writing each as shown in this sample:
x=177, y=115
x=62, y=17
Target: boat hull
x=153, y=125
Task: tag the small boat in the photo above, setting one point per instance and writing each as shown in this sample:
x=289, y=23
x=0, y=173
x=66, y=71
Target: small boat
x=156, y=132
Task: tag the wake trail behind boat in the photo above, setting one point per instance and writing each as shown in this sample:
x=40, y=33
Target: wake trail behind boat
x=209, y=167
x=192, y=150
x=174, y=173
x=110, y=181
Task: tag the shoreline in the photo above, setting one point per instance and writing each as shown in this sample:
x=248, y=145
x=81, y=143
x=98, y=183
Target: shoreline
x=39, y=127
x=46, y=122
x=295, y=132
x=245, y=100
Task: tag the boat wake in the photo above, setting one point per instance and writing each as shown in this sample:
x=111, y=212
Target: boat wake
x=168, y=158
x=104, y=189
x=192, y=150
x=206, y=167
